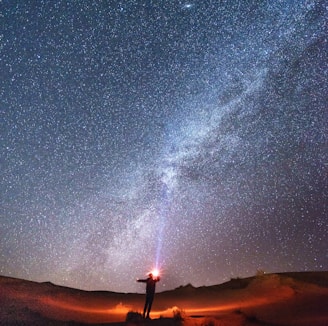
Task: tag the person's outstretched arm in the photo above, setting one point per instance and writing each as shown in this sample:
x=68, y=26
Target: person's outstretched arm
x=144, y=281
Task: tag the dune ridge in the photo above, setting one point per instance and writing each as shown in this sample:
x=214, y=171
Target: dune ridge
x=298, y=298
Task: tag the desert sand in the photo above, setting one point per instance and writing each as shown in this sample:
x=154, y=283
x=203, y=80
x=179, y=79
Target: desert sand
x=269, y=299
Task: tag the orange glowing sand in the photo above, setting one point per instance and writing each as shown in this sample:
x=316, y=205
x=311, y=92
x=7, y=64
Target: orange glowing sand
x=274, y=299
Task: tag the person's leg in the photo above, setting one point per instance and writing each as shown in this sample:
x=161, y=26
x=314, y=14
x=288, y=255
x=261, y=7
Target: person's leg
x=150, y=302
x=145, y=308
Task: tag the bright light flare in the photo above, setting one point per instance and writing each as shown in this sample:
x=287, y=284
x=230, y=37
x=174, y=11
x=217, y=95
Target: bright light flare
x=155, y=272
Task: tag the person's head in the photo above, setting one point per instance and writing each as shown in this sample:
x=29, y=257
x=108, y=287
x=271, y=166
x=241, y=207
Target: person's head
x=150, y=275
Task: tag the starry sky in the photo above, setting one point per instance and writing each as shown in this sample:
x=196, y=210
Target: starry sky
x=188, y=136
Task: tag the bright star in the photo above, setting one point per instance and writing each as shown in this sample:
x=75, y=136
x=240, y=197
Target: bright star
x=187, y=6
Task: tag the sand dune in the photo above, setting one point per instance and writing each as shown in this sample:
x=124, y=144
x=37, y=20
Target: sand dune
x=270, y=299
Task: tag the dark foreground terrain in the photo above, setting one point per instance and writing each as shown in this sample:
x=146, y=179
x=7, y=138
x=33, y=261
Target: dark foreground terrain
x=270, y=299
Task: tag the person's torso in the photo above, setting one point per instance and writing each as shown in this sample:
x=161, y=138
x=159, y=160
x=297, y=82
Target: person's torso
x=150, y=288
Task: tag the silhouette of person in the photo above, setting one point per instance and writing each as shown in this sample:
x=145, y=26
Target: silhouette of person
x=150, y=293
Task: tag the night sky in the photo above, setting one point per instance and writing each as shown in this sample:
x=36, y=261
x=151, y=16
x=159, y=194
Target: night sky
x=191, y=136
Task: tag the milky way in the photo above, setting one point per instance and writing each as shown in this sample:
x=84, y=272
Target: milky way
x=187, y=135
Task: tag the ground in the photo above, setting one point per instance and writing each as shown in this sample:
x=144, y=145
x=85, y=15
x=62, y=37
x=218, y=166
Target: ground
x=298, y=299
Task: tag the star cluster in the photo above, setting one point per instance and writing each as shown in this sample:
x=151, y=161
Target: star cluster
x=187, y=136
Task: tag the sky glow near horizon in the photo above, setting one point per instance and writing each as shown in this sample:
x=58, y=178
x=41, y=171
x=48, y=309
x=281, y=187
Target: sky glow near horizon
x=185, y=136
